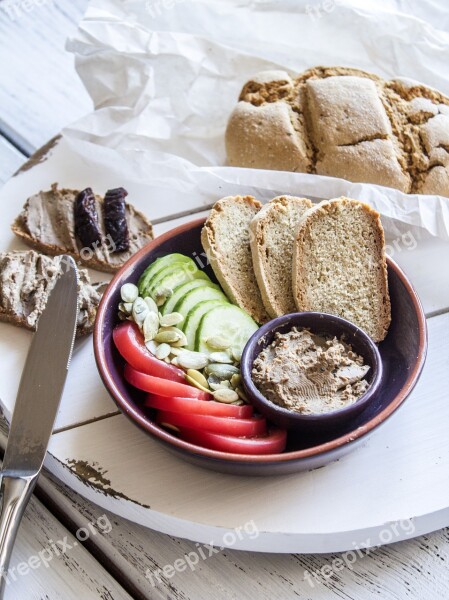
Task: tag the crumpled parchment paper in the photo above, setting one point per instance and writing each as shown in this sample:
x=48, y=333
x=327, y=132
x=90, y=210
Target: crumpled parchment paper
x=164, y=76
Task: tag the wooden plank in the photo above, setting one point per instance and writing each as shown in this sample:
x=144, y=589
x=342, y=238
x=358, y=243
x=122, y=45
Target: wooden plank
x=10, y=160
x=111, y=457
x=50, y=562
x=40, y=91
x=139, y=554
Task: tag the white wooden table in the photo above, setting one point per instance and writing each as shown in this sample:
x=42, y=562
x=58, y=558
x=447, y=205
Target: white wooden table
x=39, y=94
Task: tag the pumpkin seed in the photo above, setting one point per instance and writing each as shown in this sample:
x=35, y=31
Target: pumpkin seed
x=237, y=354
x=151, y=304
x=193, y=360
x=150, y=326
x=218, y=342
x=170, y=426
x=221, y=357
x=167, y=337
x=197, y=379
x=221, y=371
x=182, y=342
x=221, y=385
x=163, y=350
x=152, y=346
x=241, y=393
x=226, y=396
x=176, y=351
x=129, y=292
x=162, y=295
x=171, y=319
x=236, y=380
x=239, y=403
x=140, y=311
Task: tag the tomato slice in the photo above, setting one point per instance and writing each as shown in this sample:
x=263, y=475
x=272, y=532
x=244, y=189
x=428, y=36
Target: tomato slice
x=227, y=426
x=199, y=407
x=272, y=443
x=129, y=341
x=162, y=387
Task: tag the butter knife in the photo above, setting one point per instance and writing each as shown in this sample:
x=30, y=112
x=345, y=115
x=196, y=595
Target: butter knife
x=37, y=403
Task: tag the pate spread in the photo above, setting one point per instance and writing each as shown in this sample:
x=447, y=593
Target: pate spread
x=26, y=281
x=49, y=218
x=310, y=374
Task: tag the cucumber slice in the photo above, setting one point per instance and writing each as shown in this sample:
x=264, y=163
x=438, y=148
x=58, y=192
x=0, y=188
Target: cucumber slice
x=174, y=276
x=192, y=321
x=180, y=291
x=156, y=267
x=198, y=296
x=227, y=321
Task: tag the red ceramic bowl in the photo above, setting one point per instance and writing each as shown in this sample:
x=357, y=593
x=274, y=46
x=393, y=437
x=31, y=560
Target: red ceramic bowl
x=403, y=355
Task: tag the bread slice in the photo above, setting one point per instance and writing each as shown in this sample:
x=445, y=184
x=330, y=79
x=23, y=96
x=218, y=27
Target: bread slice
x=26, y=280
x=339, y=265
x=273, y=231
x=225, y=238
x=47, y=225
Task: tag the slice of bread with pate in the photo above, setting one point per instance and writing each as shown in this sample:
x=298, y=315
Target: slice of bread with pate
x=47, y=225
x=339, y=265
x=26, y=281
x=226, y=240
x=273, y=231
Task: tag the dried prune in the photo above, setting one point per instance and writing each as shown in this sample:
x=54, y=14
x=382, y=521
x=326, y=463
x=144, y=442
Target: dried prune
x=86, y=219
x=115, y=218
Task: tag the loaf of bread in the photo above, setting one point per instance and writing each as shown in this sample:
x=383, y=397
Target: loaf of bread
x=344, y=123
x=339, y=265
x=273, y=231
x=226, y=240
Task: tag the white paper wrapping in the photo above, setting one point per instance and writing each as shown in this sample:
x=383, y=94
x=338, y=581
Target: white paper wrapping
x=164, y=76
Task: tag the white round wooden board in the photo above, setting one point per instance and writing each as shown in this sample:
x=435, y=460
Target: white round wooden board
x=394, y=487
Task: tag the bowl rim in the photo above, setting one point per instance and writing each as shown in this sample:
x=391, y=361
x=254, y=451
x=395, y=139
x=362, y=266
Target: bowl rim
x=294, y=417
x=180, y=445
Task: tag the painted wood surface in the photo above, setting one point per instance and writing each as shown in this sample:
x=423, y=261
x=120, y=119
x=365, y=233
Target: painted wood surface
x=39, y=93
x=412, y=569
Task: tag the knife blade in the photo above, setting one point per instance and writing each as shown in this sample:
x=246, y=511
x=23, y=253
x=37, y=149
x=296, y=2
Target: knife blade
x=40, y=390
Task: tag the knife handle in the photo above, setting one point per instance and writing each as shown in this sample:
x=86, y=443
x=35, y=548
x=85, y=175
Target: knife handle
x=15, y=492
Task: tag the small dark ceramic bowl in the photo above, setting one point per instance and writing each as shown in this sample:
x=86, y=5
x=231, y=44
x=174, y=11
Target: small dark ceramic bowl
x=403, y=355
x=326, y=326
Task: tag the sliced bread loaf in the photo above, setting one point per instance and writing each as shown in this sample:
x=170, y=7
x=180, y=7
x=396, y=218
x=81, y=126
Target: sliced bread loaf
x=339, y=265
x=273, y=232
x=226, y=241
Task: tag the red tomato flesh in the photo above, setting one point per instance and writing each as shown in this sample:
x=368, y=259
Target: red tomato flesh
x=272, y=443
x=162, y=387
x=252, y=427
x=199, y=407
x=129, y=341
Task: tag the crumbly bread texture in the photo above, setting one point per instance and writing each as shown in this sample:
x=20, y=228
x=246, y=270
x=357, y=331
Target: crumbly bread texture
x=226, y=240
x=273, y=231
x=339, y=265
x=47, y=225
x=345, y=123
x=26, y=280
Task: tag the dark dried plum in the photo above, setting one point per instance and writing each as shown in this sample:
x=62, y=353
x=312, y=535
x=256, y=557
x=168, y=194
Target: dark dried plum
x=115, y=218
x=86, y=219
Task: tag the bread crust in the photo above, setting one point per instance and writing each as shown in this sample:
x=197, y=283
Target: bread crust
x=243, y=293
x=345, y=123
x=380, y=321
